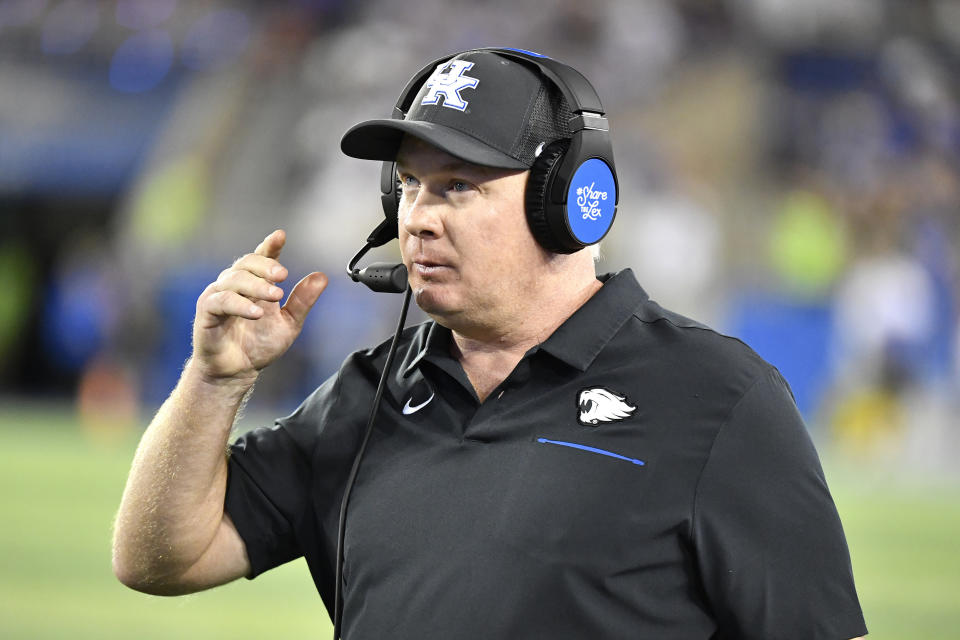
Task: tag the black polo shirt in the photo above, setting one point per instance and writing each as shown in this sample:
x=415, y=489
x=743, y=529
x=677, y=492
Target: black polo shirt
x=637, y=476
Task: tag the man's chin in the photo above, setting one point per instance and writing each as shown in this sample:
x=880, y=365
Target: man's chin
x=434, y=303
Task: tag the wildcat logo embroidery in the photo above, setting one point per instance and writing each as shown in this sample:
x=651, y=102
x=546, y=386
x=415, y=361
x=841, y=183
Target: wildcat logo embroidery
x=598, y=404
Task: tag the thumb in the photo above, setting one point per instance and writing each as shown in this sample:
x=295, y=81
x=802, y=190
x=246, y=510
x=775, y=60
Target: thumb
x=304, y=296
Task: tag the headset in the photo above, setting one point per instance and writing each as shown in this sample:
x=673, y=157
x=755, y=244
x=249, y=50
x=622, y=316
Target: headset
x=572, y=192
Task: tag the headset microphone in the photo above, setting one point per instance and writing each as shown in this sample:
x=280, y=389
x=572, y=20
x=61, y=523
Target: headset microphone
x=383, y=277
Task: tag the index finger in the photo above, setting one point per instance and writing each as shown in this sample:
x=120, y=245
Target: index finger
x=272, y=244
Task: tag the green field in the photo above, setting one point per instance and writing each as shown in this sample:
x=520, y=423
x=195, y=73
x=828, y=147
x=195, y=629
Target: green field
x=61, y=488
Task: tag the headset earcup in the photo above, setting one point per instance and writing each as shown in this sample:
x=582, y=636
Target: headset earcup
x=390, y=201
x=536, y=196
x=389, y=191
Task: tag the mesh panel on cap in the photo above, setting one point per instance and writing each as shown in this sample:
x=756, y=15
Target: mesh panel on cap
x=549, y=120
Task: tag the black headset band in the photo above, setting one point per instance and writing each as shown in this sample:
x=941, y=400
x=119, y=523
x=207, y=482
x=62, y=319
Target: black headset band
x=576, y=89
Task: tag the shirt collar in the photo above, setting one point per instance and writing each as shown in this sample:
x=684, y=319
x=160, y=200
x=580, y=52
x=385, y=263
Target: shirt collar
x=584, y=334
x=437, y=341
x=578, y=340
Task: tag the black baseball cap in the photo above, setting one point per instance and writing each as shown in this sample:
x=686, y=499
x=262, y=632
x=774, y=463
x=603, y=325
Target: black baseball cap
x=478, y=106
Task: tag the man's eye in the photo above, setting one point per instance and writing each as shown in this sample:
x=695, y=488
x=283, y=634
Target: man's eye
x=460, y=185
x=408, y=182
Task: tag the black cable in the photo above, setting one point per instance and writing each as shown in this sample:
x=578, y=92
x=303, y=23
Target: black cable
x=351, y=266
x=338, y=591
x=386, y=277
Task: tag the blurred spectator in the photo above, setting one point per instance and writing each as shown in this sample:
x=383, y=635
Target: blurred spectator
x=808, y=244
x=82, y=307
x=884, y=319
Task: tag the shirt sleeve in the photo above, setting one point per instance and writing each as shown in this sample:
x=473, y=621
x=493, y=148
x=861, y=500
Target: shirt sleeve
x=269, y=481
x=768, y=539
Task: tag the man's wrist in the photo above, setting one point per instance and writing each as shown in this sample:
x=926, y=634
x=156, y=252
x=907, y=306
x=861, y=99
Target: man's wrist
x=233, y=387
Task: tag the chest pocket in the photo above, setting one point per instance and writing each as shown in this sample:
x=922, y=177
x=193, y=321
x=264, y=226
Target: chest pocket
x=566, y=503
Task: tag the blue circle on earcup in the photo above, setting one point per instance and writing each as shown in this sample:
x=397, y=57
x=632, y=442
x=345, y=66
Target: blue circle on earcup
x=591, y=201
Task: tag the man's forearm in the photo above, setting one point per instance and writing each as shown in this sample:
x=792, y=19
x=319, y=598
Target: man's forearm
x=172, y=505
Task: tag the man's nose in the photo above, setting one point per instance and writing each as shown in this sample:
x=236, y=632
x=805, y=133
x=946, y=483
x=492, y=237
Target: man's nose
x=421, y=217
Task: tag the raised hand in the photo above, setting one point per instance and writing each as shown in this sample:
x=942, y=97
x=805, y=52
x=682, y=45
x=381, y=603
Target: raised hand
x=240, y=326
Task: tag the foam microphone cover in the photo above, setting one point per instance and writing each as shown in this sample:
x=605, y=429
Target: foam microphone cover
x=384, y=277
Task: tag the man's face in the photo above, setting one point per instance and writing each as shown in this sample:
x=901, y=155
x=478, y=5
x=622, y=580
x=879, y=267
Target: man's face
x=464, y=237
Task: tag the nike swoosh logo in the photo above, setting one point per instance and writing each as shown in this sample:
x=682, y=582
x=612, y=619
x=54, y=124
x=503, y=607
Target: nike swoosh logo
x=408, y=409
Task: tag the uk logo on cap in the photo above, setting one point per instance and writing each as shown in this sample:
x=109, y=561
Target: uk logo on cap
x=447, y=80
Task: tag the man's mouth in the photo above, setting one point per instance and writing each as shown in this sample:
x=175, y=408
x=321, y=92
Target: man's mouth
x=428, y=267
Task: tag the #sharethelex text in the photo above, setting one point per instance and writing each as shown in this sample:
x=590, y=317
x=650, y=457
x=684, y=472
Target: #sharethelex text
x=588, y=201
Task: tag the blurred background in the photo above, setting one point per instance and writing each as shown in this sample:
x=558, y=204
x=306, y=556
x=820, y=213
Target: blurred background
x=789, y=174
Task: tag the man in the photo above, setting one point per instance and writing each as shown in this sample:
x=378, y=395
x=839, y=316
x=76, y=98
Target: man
x=555, y=455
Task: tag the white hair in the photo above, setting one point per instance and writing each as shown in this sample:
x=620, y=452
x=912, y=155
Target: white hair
x=595, y=252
